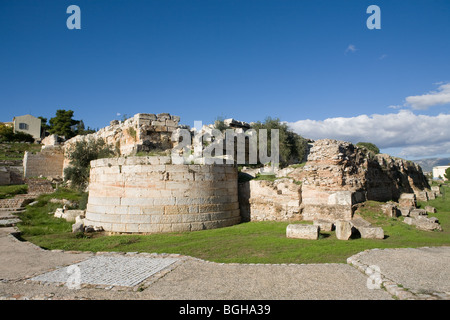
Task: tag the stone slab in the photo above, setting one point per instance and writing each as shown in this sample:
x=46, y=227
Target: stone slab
x=302, y=231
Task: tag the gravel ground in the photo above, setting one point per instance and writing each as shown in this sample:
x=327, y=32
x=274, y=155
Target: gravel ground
x=421, y=273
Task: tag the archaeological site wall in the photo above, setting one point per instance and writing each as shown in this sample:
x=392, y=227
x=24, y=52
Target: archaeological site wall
x=47, y=163
x=149, y=194
x=339, y=175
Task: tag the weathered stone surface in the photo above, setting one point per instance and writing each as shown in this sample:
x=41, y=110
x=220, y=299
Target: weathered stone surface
x=424, y=223
x=148, y=195
x=407, y=200
x=334, y=167
x=303, y=231
x=417, y=212
x=343, y=229
x=324, y=225
x=430, y=209
x=366, y=230
x=390, y=209
x=277, y=200
x=78, y=227
x=405, y=211
x=371, y=232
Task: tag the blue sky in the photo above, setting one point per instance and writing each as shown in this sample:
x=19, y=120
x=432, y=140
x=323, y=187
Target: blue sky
x=314, y=64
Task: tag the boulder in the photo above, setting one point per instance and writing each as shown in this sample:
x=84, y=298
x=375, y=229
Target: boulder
x=302, y=231
x=343, y=229
x=407, y=200
x=78, y=227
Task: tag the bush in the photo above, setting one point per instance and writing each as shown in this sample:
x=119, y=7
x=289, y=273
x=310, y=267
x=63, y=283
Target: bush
x=369, y=146
x=7, y=134
x=293, y=147
x=80, y=156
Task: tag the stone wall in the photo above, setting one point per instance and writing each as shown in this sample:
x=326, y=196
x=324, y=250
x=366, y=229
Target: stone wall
x=142, y=132
x=47, y=163
x=277, y=200
x=149, y=194
x=338, y=175
x=11, y=172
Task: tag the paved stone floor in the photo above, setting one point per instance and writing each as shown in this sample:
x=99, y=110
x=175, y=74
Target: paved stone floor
x=108, y=270
x=29, y=272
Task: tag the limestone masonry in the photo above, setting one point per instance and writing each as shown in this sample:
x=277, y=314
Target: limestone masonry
x=152, y=194
x=149, y=194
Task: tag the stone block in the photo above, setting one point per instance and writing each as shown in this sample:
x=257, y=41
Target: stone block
x=390, y=210
x=405, y=211
x=430, y=209
x=407, y=200
x=78, y=227
x=371, y=232
x=302, y=231
x=417, y=212
x=323, y=225
x=343, y=229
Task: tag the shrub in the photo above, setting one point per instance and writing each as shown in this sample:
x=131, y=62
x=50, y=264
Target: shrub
x=369, y=146
x=293, y=147
x=80, y=156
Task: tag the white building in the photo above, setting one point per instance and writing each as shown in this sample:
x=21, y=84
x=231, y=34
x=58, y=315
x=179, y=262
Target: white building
x=438, y=172
x=28, y=124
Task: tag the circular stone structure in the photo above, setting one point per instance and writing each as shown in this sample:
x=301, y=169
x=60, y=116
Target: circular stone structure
x=151, y=195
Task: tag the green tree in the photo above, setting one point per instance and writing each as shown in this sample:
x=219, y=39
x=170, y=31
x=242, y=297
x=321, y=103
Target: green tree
x=447, y=173
x=369, y=146
x=80, y=155
x=62, y=124
x=292, y=146
x=44, y=126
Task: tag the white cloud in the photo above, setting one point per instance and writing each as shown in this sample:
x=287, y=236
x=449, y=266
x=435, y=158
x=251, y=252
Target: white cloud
x=433, y=98
x=350, y=48
x=383, y=56
x=415, y=135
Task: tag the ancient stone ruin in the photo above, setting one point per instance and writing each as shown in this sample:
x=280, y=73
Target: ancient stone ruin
x=145, y=194
x=149, y=194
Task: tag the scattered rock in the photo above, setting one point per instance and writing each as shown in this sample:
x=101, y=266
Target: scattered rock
x=324, y=225
x=430, y=209
x=417, y=212
x=302, y=231
x=78, y=227
x=405, y=211
x=407, y=200
x=390, y=210
x=88, y=229
x=366, y=230
x=343, y=229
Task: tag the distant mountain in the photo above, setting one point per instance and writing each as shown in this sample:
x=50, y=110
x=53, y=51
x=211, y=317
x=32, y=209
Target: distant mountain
x=428, y=164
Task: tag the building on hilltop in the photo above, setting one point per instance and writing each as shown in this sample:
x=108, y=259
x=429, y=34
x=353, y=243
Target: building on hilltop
x=28, y=124
x=439, y=172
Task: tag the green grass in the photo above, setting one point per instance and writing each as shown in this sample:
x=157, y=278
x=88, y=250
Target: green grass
x=251, y=242
x=11, y=190
x=16, y=151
